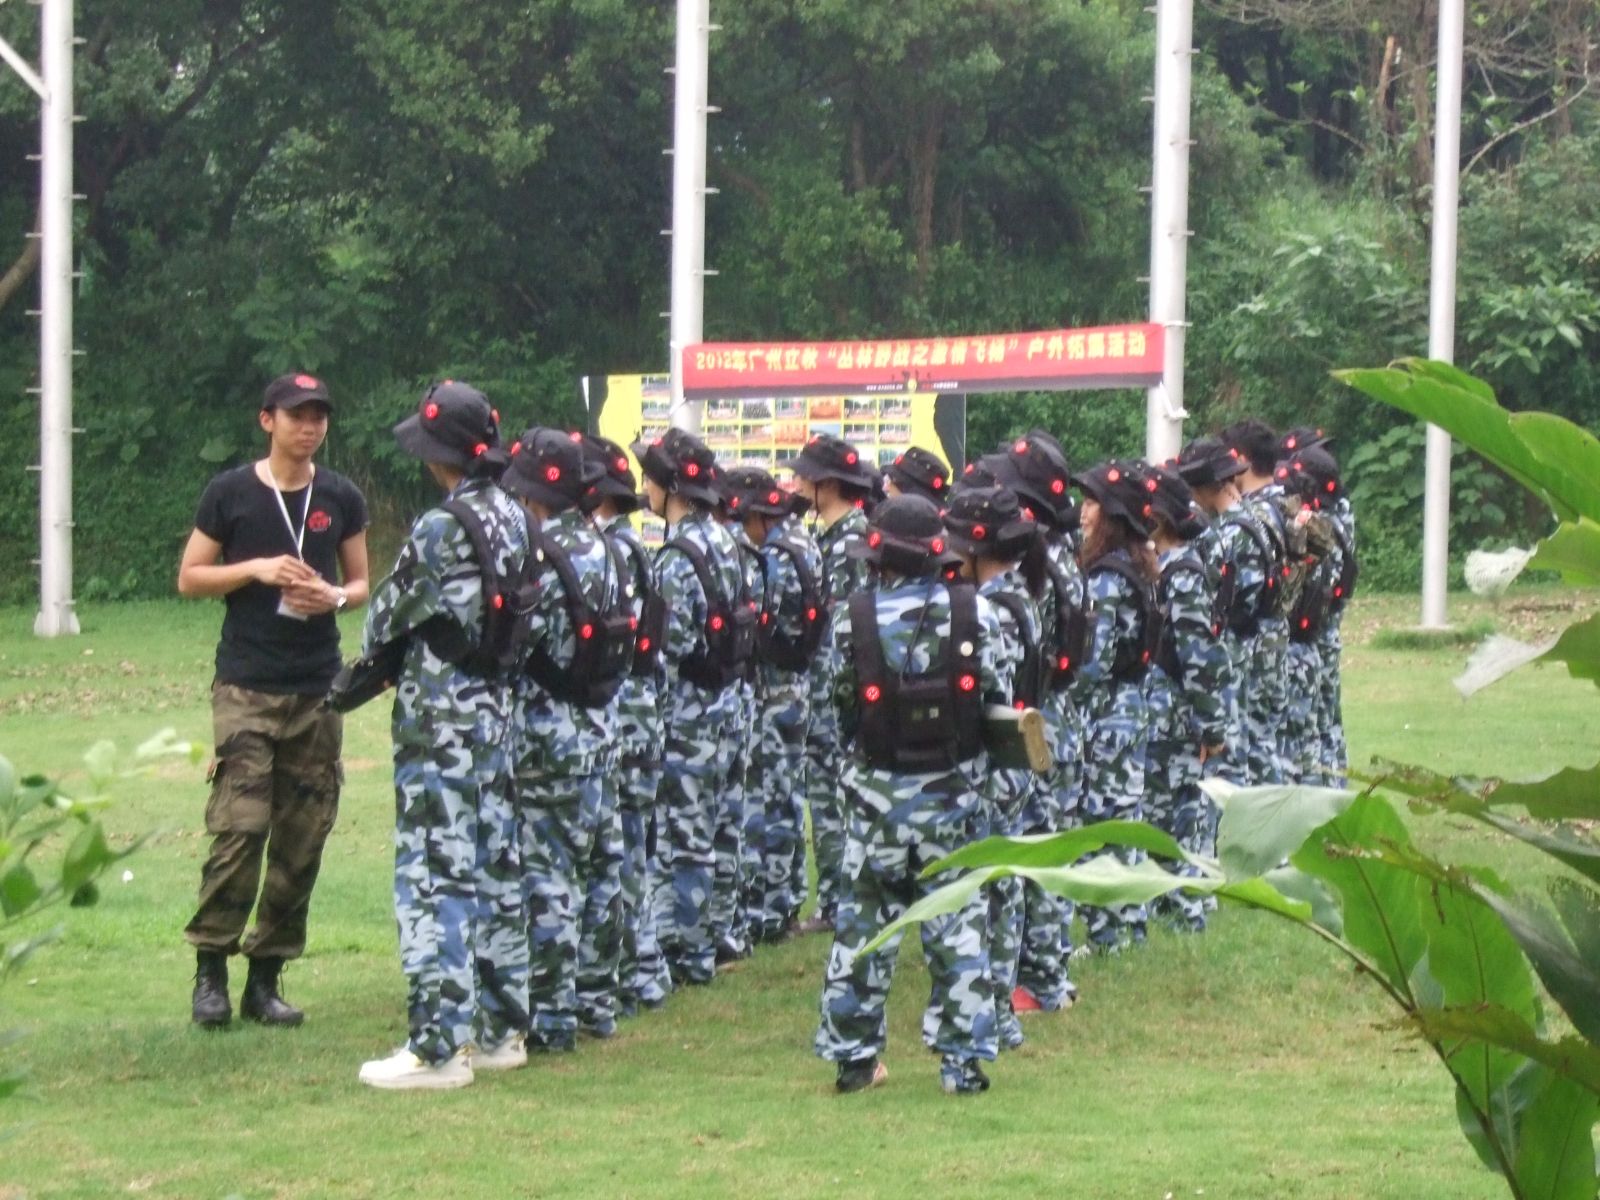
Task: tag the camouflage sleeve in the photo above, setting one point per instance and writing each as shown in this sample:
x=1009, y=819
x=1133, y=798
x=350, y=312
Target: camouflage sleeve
x=1100, y=649
x=782, y=587
x=685, y=602
x=997, y=675
x=1203, y=656
x=1005, y=642
x=1249, y=571
x=435, y=554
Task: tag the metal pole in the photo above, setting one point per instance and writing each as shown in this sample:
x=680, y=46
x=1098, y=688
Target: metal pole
x=56, y=616
x=1442, y=307
x=688, y=196
x=1169, y=222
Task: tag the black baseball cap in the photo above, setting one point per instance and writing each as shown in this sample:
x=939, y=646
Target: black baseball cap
x=293, y=390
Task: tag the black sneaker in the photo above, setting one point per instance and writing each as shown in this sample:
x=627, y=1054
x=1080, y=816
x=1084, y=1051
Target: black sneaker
x=962, y=1076
x=860, y=1075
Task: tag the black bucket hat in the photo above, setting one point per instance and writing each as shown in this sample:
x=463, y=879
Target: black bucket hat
x=681, y=463
x=547, y=467
x=987, y=522
x=829, y=457
x=1304, y=437
x=455, y=426
x=1206, y=462
x=295, y=389
x=920, y=472
x=904, y=534
x=1174, y=503
x=1313, y=475
x=1035, y=467
x=1122, y=489
x=752, y=490
x=616, y=482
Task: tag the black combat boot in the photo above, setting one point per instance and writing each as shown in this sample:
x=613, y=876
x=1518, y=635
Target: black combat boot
x=261, y=1001
x=210, y=1008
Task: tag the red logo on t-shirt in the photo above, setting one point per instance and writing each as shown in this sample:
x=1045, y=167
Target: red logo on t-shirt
x=319, y=521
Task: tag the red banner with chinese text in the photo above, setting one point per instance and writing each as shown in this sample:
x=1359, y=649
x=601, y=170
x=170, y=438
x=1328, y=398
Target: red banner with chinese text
x=1051, y=360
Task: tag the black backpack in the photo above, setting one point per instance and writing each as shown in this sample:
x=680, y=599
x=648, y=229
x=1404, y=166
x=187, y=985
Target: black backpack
x=652, y=626
x=603, y=638
x=1245, y=619
x=1134, y=658
x=731, y=624
x=1070, y=636
x=1345, y=586
x=919, y=723
x=782, y=650
x=494, y=651
x=1030, y=676
x=1167, y=655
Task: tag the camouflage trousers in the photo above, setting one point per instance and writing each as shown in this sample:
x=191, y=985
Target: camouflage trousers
x=1302, y=732
x=883, y=861
x=1174, y=803
x=1113, y=788
x=1007, y=906
x=457, y=887
x=1265, y=703
x=572, y=889
x=1235, y=764
x=728, y=884
x=824, y=760
x=775, y=832
x=692, y=783
x=1334, y=754
x=274, y=795
x=1045, y=938
x=641, y=971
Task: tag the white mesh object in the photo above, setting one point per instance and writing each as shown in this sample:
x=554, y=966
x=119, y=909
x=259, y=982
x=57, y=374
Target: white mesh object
x=1490, y=572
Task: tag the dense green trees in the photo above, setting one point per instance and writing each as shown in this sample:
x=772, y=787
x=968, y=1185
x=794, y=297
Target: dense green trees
x=383, y=190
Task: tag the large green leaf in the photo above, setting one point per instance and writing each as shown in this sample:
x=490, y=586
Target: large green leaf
x=1059, y=849
x=1571, y=1056
x=1260, y=893
x=19, y=890
x=1476, y=420
x=1579, y=647
x=1262, y=826
x=1555, y=1153
x=949, y=898
x=1380, y=901
x=1572, y=982
x=1580, y=853
x=1573, y=549
x=1565, y=447
x=1572, y=793
x=1295, y=886
x=1107, y=882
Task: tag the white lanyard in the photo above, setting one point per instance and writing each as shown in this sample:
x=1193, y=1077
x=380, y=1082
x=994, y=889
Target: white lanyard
x=298, y=536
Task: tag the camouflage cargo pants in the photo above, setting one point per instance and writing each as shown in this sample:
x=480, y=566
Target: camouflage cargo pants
x=883, y=862
x=274, y=794
x=1174, y=803
x=691, y=783
x=774, y=891
x=823, y=799
x=1334, y=755
x=1266, y=701
x=639, y=956
x=1113, y=788
x=1302, y=734
x=1007, y=906
x=457, y=887
x=572, y=889
x=1045, y=951
x=726, y=913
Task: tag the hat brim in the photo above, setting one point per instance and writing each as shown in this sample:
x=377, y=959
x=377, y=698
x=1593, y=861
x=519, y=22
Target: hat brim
x=813, y=472
x=321, y=402
x=419, y=443
x=537, y=492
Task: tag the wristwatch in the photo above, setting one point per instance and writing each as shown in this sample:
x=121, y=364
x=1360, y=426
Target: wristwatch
x=340, y=599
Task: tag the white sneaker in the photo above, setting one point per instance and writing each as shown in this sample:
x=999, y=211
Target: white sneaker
x=507, y=1056
x=404, y=1071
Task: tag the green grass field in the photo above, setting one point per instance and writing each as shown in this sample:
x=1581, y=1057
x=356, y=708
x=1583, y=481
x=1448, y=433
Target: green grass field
x=1244, y=1063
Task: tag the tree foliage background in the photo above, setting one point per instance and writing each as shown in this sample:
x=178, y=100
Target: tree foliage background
x=386, y=191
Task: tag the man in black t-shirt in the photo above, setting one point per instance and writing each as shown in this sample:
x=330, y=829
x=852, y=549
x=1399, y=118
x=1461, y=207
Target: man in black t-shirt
x=284, y=543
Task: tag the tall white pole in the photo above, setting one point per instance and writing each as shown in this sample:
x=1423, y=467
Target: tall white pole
x=1169, y=222
x=688, y=196
x=56, y=616
x=1442, y=307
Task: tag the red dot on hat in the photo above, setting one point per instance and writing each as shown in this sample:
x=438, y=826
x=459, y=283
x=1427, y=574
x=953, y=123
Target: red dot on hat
x=938, y=482
x=773, y=497
x=574, y=436
x=1057, y=486
x=850, y=458
x=692, y=470
x=898, y=459
x=306, y=382
x=979, y=532
x=495, y=413
x=938, y=545
x=431, y=411
x=1113, y=475
x=1147, y=510
x=480, y=448
x=1331, y=485
x=552, y=473
x=1021, y=447
x=622, y=464
x=1149, y=485
x=874, y=539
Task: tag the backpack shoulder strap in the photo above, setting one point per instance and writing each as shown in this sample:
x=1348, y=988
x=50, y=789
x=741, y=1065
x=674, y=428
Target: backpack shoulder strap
x=702, y=568
x=491, y=641
x=864, y=640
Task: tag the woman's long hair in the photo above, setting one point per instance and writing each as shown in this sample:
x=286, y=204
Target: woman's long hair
x=1114, y=533
x=1035, y=562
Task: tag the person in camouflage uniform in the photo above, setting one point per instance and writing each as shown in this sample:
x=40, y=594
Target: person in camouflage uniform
x=701, y=701
x=1237, y=554
x=567, y=749
x=642, y=977
x=457, y=886
x=1266, y=701
x=1035, y=467
x=918, y=472
x=792, y=624
x=737, y=804
x=913, y=794
x=1122, y=572
x=1188, y=715
x=832, y=477
x=985, y=527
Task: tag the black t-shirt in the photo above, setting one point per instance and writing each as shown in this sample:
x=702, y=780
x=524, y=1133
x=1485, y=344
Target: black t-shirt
x=260, y=649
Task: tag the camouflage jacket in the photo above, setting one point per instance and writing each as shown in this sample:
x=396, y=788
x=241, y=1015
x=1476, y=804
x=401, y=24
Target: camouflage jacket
x=1116, y=627
x=1239, y=544
x=914, y=631
x=1195, y=705
x=782, y=599
x=437, y=575
x=1275, y=511
x=555, y=737
x=1007, y=788
x=842, y=577
x=638, y=709
x=688, y=611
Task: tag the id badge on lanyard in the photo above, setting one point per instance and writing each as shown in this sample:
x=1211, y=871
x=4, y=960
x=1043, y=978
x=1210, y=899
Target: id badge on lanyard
x=298, y=536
